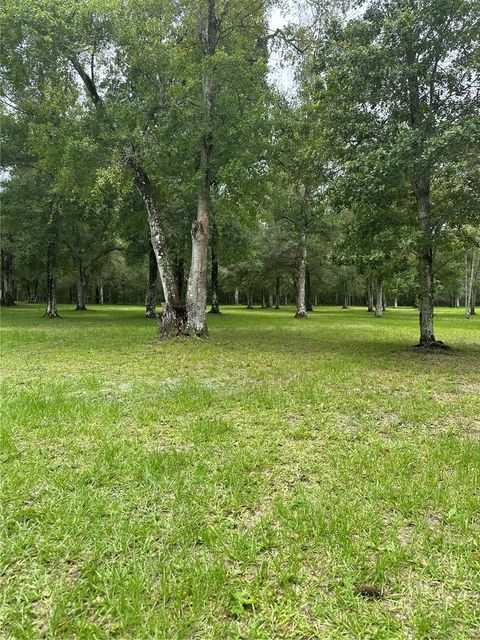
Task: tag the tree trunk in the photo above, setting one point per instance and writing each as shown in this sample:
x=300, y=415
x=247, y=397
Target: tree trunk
x=250, y=298
x=172, y=320
x=308, y=290
x=196, y=298
x=100, y=292
x=237, y=296
x=213, y=247
x=150, y=296
x=470, y=277
x=421, y=190
x=301, y=311
x=395, y=302
x=370, y=296
x=81, y=286
x=6, y=296
x=277, y=293
x=379, y=299
x=425, y=300
x=345, y=300
x=51, y=310
x=270, y=298
x=32, y=291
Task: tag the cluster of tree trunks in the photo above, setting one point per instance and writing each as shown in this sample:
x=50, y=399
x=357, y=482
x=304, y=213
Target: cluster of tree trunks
x=150, y=296
x=472, y=266
x=7, y=298
x=301, y=275
x=51, y=310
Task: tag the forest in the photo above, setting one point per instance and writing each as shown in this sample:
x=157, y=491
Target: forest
x=240, y=262
x=146, y=155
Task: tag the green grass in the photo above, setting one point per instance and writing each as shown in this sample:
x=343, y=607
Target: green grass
x=243, y=486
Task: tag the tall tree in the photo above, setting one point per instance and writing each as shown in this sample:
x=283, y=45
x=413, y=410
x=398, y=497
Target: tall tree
x=397, y=88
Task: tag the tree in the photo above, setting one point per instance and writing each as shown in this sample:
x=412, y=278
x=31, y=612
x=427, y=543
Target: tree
x=395, y=85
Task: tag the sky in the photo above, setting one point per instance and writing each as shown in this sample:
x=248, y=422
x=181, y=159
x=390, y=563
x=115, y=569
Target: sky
x=281, y=71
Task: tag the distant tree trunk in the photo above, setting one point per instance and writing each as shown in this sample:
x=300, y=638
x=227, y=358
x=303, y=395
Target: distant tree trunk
x=384, y=300
x=370, y=296
x=6, y=259
x=81, y=286
x=237, y=296
x=32, y=291
x=286, y=300
x=316, y=301
x=100, y=292
x=395, y=302
x=345, y=300
x=213, y=246
x=457, y=300
x=473, y=300
x=250, y=298
x=277, y=292
x=264, y=304
x=270, y=298
x=308, y=290
x=470, y=277
x=379, y=299
x=150, y=296
x=301, y=311
x=51, y=310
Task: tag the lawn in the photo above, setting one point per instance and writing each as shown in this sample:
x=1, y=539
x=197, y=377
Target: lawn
x=283, y=479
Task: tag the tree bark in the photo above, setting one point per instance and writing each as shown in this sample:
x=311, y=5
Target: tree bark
x=237, y=296
x=51, y=310
x=277, y=293
x=6, y=296
x=100, y=292
x=301, y=311
x=32, y=291
x=150, y=296
x=308, y=290
x=370, y=296
x=213, y=248
x=379, y=299
x=470, y=276
x=196, y=297
x=270, y=298
x=395, y=302
x=250, y=298
x=81, y=286
x=425, y=300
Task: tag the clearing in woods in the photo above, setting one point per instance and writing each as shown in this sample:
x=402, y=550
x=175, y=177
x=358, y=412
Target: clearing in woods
x=281, y=479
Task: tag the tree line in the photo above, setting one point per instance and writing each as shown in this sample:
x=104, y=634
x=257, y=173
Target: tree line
x=145, y=138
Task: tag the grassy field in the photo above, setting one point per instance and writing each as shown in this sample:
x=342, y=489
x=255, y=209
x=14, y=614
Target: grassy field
x=283, y=479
